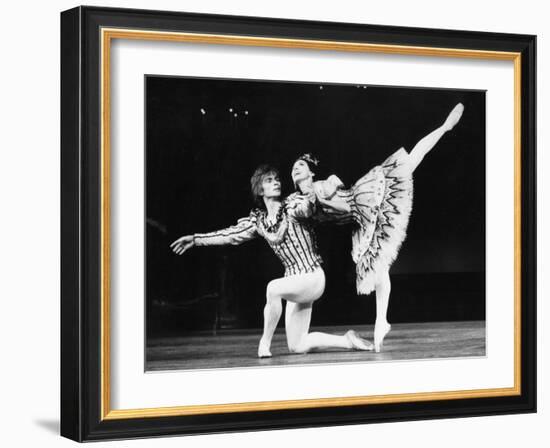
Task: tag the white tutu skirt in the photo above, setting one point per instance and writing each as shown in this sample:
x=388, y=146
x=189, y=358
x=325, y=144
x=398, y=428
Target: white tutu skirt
x=381, y=203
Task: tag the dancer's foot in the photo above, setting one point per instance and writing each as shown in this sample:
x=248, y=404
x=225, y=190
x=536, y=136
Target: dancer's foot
x=380, y=332
x=263, y=350
x=454, y=117
x=357, y=342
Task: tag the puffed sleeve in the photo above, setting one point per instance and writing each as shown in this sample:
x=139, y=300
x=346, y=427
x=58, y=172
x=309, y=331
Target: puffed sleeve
x=300, y=206
x=335, y=181
x=244, y=230
x=326, y=189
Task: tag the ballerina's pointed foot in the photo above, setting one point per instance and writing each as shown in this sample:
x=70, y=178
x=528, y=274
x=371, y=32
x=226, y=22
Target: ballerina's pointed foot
x=380, y=332
x=454, y=117
x=357, y=342
x=263, y=350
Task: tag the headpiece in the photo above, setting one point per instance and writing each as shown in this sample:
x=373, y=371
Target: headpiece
x=309, y=159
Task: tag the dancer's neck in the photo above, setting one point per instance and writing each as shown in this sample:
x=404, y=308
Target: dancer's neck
x=305, y=186
x=272, y=206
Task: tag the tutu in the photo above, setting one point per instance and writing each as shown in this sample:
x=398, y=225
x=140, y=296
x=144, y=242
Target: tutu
x=380, y=203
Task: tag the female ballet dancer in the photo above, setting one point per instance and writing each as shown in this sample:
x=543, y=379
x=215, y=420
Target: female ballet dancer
x=294, y=243
x=379, y=203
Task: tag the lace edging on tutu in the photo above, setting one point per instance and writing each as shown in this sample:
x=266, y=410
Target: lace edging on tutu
x=391, y=225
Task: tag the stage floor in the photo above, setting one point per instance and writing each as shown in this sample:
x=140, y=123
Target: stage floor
x=234, y=348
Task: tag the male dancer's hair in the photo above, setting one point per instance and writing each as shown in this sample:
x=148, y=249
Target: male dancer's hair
x=257, y=180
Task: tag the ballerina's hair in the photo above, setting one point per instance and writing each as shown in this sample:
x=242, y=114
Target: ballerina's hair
x=312, y=163
x=256, y=182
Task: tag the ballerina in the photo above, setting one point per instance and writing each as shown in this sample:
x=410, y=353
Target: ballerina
x=379, y=204
x=294, y=243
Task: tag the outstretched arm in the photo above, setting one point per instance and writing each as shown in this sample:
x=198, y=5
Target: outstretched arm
x=183, y=244
x=334, y=205
x=244, y=230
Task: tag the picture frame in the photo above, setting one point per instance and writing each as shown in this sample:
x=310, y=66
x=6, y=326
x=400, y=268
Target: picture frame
x=87, y=34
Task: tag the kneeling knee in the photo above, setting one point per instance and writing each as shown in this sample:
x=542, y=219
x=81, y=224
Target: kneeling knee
x=298, y=348
x=271, y=291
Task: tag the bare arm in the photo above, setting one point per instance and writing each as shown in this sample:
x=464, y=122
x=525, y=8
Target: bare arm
x=334, y=205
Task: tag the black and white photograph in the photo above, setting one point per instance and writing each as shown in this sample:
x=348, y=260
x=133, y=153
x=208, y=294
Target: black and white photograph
x=275, y=224
x=296, y=223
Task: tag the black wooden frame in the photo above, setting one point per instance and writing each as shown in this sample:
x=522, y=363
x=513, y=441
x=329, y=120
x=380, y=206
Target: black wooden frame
x=80, y=223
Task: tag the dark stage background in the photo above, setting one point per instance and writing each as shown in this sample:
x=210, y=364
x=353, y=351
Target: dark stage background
x=199, y=159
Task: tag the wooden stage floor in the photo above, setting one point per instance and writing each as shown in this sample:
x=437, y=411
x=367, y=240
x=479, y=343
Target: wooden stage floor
x=234, y=348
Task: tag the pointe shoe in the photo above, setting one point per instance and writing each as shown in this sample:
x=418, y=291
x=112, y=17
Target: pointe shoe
x=454, y=117
x=263, y=351
x=357, y=342
x=380, y=332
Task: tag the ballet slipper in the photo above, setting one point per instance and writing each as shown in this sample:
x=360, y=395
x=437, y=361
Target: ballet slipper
x=454, y=117
x=357, y=342
x=263, y=350
x=380, y=332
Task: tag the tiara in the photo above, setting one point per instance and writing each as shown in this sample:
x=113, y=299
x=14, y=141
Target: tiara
x=309, y=158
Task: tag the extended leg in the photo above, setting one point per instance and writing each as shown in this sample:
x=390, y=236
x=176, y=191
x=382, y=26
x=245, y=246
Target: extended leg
x=301, y=291
x=297, y=321
x=381, y=326
x=427, y=143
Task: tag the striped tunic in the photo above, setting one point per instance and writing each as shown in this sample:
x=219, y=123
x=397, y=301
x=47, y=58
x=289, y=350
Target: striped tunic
x=296, y=247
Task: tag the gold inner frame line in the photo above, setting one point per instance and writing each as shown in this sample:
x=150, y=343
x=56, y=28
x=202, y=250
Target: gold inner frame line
x=107, y=35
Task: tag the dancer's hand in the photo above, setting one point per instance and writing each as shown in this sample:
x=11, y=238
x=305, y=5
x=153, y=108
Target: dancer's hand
x=182, y=244
x=301, y=206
